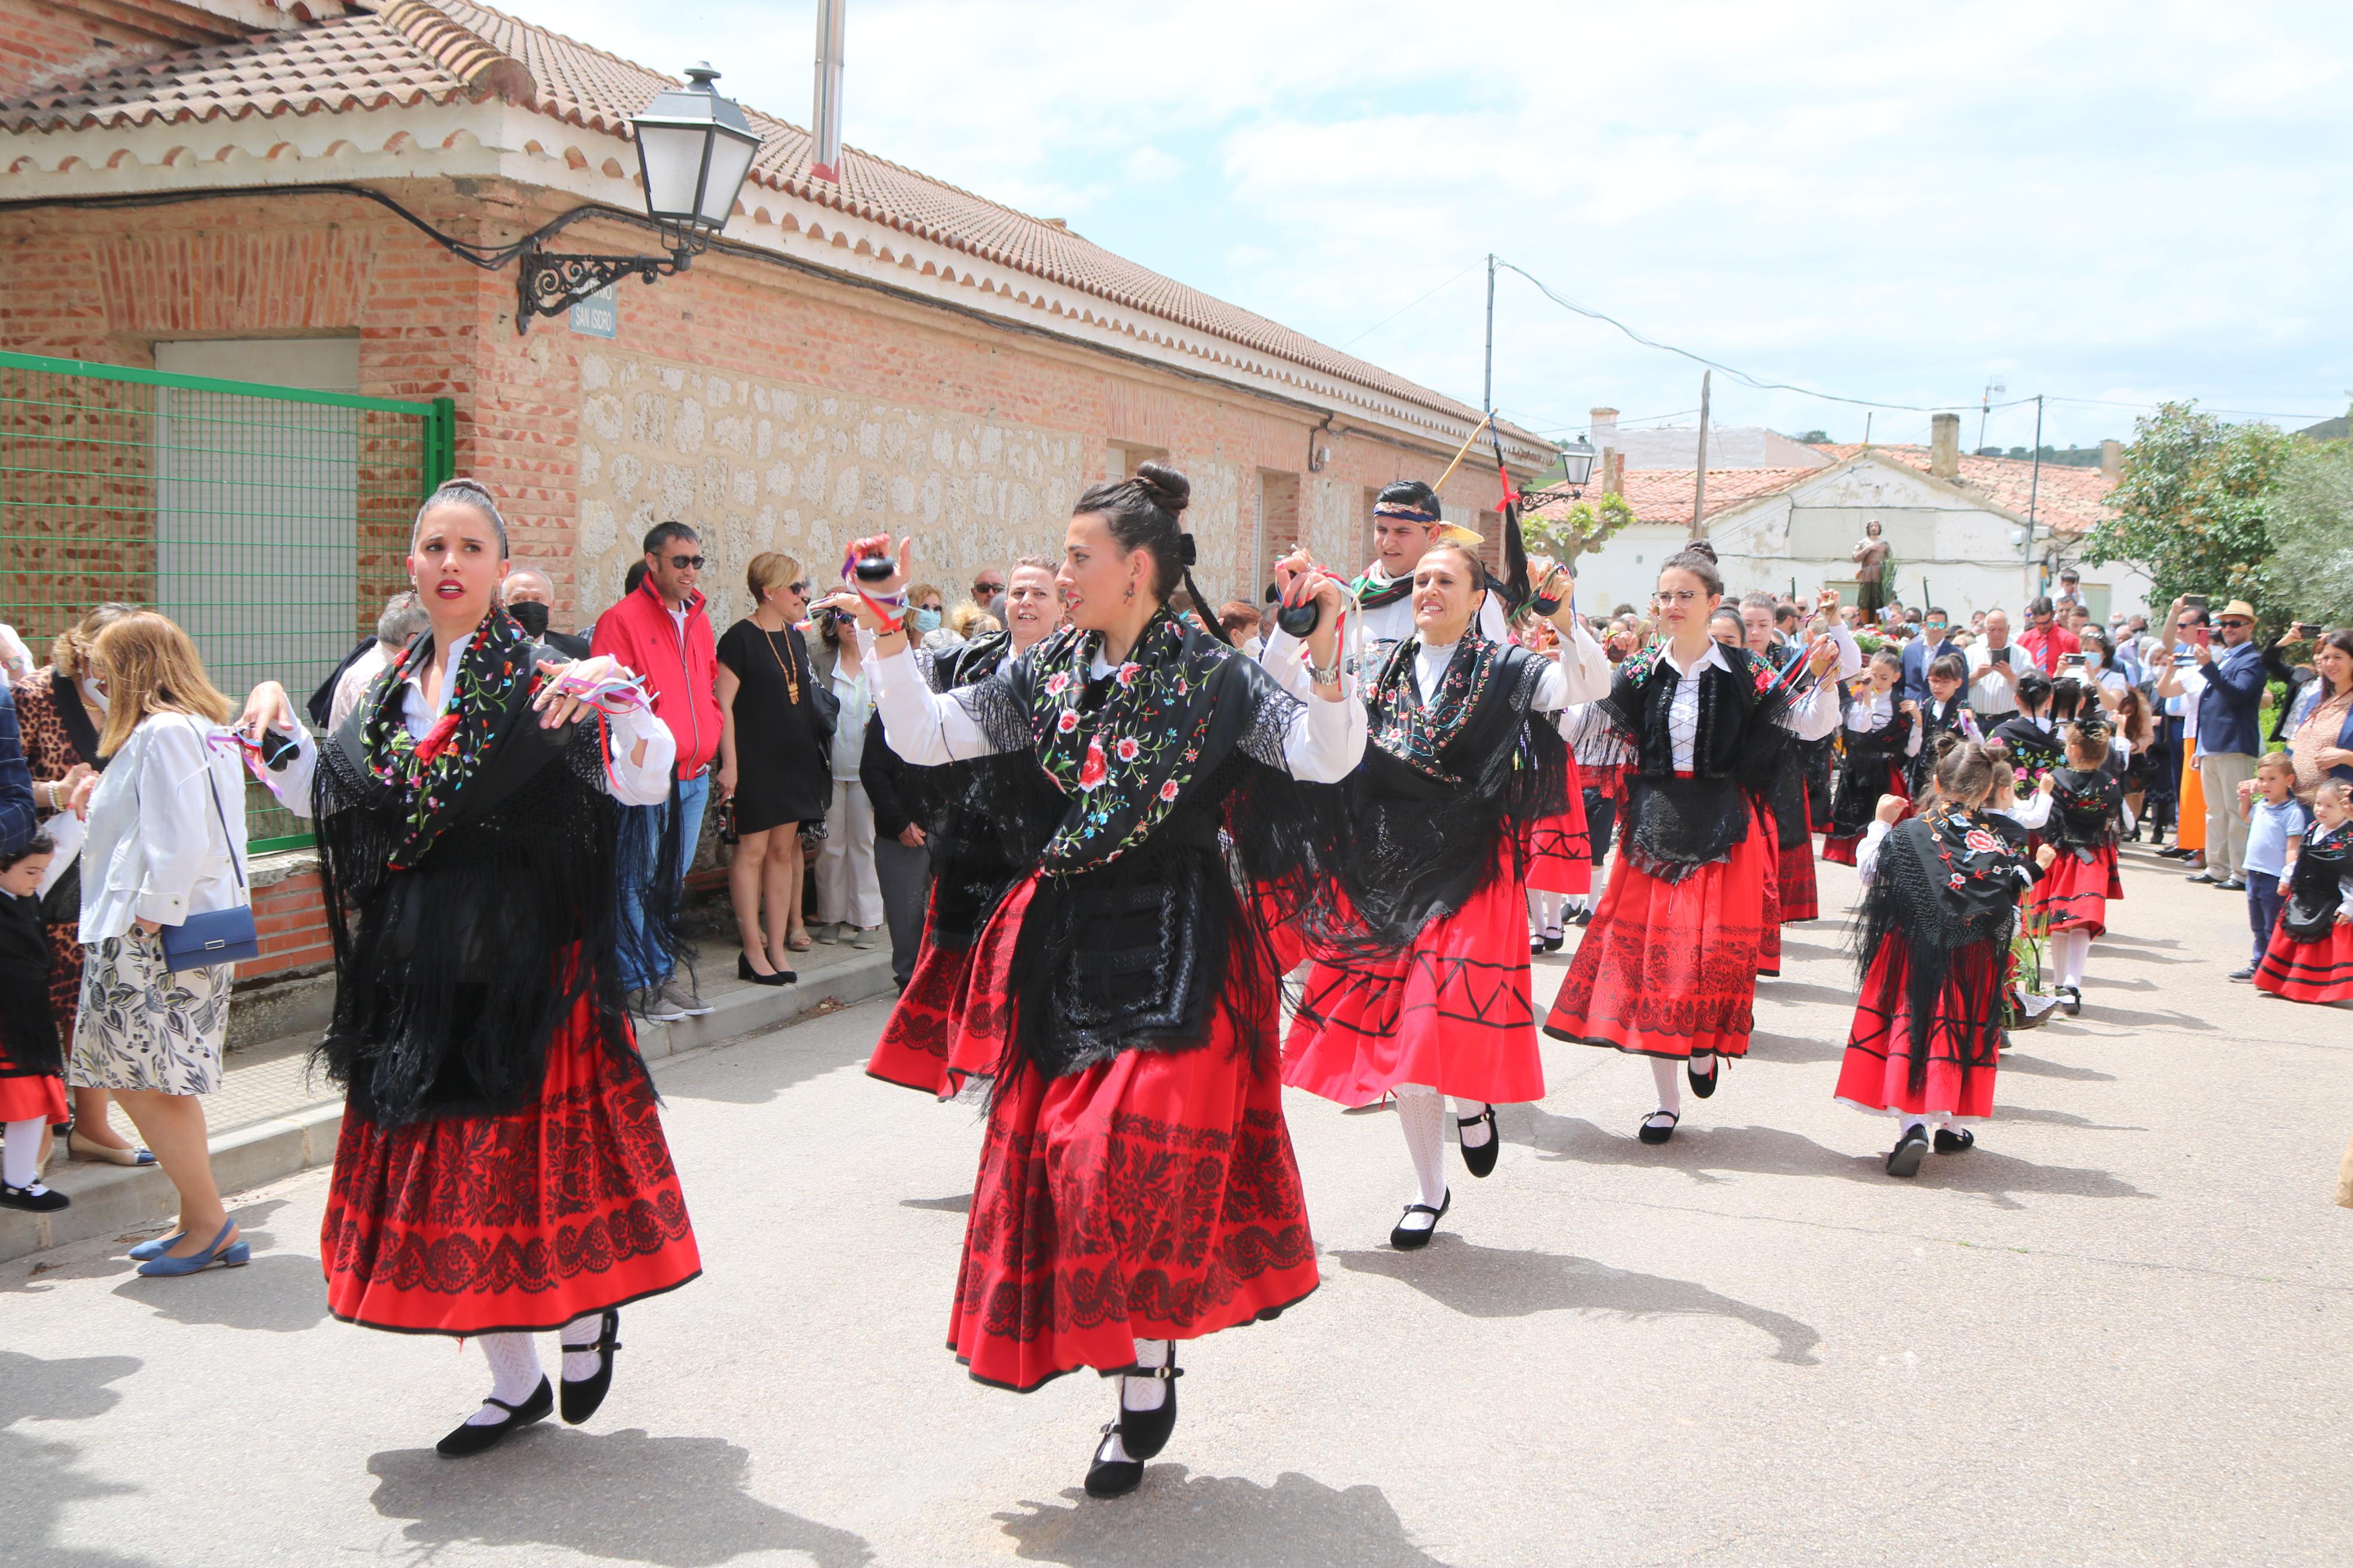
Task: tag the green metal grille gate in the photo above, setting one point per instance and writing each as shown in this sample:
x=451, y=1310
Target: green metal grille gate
x=271, y=523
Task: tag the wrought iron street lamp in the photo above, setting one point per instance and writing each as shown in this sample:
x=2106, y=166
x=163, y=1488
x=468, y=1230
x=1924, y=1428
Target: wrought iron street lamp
x=1576, y=467
x=694, y=151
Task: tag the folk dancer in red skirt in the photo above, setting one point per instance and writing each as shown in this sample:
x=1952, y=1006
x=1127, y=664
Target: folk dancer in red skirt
x=32, y=1058
x=1946, y=712
x=974, y=860
x=1433, y=1000
x=1558, y=849
x=1668, y=968
x=1879, y=735
x=501, y=1170
x=1788, y=812
x=1602, y=755
x=1940, y=901
x=2310, y=958
x=2071, y=903
x=1136, y=1184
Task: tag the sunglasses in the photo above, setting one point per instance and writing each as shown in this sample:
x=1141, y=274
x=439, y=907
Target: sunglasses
x=799, y=587
x=988, y=588
x=2234, y=621
x=686, y=563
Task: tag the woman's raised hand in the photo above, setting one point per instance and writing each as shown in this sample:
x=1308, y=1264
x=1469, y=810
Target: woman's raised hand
x=267, y=707
x=880, y=544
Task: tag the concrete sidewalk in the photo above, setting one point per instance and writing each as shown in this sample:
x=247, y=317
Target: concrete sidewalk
x=273, y=1116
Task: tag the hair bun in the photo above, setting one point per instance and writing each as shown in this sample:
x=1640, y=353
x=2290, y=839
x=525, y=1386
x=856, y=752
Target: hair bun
x=1169, y=490
x=1701, y=547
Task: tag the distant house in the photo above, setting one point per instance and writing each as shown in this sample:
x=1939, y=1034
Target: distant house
x=1958, y=525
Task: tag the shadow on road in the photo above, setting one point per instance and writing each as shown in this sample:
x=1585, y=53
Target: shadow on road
x=1793, y=1048
x=43, y=1479
x=277, y=1293
x=1701, y=1152
x=959, y=1203
x=1498, y=1282
x=1183, y=1521
x=2037, y=1066
x=678, y=1502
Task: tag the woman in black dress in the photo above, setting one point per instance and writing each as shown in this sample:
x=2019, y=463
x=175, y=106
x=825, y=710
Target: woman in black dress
x=771, y=764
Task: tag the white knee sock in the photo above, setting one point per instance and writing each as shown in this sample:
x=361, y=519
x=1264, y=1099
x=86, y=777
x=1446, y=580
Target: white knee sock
x=2069, y=949
x=579, y=1337
x=1421, y=1113
x=1472, y=1137
x=1543, y=912
x=1139, y=1393
x=1669, y=1075
x=20, y=1163
x=514, y=1373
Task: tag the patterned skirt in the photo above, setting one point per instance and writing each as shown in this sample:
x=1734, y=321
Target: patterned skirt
x=1800, y=897
x=140, y=1025
x=1452, y=1011
x=2308, y=971
x=2073, y=894
x=477, y=1224
x=1154, y=1195
x=913, y=1051
x=1669, y=969
x=1876, y=1074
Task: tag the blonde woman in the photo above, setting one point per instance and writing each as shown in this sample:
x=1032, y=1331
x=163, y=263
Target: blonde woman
x=771, y=764
x=166, y=841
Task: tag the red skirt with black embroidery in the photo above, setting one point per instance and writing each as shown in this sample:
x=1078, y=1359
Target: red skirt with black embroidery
x=477, y=1224
x=1154, y=1195
x=1876, y=1074
x=1839, y=848
x=1559, y=848
x=1768, y=937
x=1452, y=1011
x=2073, y=894
x=1669, y=969
x=918, y=1039
x=1800, y=896
x=2308, y=971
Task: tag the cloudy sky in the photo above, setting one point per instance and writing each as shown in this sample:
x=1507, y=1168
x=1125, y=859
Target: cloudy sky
x=2109, y=202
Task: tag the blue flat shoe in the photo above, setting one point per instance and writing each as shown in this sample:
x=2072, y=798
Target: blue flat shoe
x=164, y=1265
x=156, y=1248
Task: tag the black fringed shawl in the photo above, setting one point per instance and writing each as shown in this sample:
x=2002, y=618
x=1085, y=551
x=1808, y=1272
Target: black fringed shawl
x=2315, y=884
x=1862, y=775
x=1444, y=781
x=976, y=848
x=1164, y=792
x=2086, y=812
x=1675, y=825
x=1944, y=880
x=453, y=974
x=29, y=1032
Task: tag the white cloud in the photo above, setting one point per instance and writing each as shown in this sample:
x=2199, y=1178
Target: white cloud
x=1862, y=196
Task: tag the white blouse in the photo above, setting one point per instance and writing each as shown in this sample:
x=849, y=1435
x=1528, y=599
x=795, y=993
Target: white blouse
x=1810, y=716
x=1868, y=714
x=1323, y=745
x=157, y=848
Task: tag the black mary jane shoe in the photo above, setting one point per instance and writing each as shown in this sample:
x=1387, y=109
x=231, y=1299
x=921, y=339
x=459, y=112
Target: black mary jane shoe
x=581, y=1398
x=1413, y=1239
x=1535, y=945
x=1481, y=1160
x=471, y=1439
x=1581, y=917
x=1554, y=944
x=1904, y=1160
x=1144, y=1433
x=1704, y=1086
x=1113, y=1478
x=1952, y=1142
x=1650, y=1134
x=744, y=971
x=2071, y=999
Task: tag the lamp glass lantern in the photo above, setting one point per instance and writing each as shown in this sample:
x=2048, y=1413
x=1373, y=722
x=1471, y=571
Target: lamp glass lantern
x=1576, y=461
x=694, y=151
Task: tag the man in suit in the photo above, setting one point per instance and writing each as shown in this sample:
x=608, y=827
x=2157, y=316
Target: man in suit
x=1935, y=638
x=2229, y=737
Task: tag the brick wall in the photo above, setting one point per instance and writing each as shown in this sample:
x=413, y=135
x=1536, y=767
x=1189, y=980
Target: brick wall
x=288, y=918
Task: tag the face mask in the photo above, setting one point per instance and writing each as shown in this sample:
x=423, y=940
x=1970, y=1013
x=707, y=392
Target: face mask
x=90, y=693
x=533, y=617
x=2091, y=660
x=927, y=620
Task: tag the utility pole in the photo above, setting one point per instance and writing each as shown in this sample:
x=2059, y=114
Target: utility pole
x=1699, y=490
x=1985, y=407
x=1487, y=392
x=2034, y=483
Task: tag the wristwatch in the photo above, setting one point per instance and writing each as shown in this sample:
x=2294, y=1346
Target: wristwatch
x=1324, y=675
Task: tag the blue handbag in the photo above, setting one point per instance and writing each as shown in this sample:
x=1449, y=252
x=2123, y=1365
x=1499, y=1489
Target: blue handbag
x=216, y=936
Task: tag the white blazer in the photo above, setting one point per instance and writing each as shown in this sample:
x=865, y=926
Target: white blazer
x=156, y=848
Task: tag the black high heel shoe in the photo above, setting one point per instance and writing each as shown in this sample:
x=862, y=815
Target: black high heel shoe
x=581, y=1398
x=1704, y=1086
x=471, y=1439
x=1142, y=1433
x=1481, y=1159
x=744, y=971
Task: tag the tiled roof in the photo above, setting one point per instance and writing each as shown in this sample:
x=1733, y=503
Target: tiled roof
x=1664, y=495
x=2066, y=499
x=406, y=52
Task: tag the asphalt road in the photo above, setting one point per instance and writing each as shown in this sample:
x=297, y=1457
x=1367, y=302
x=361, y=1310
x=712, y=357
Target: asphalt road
x=2116, y=1332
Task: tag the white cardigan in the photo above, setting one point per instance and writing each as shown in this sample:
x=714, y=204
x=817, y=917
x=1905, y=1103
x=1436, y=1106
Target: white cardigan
x=156, y=848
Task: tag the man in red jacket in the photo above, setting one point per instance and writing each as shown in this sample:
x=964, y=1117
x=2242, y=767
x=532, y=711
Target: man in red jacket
x=661, y=632
x=2046, y=641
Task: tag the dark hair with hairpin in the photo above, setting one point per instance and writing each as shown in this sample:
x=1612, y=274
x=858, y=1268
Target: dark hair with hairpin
x=1141, y=514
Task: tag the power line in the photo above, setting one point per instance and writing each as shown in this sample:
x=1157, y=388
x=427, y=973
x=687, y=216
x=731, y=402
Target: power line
x=1385, y=321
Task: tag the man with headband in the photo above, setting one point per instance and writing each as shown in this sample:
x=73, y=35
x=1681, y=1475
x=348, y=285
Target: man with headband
x=1405, y=523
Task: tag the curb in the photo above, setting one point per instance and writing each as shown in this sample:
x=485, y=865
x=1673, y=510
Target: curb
x=110, y=1199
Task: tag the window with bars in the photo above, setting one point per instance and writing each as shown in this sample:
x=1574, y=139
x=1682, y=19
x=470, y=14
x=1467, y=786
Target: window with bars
x=270, y=521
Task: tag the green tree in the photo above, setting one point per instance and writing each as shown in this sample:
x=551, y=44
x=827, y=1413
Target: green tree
x=1583, y=528
x=2192, y=506
x=2311, y=528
